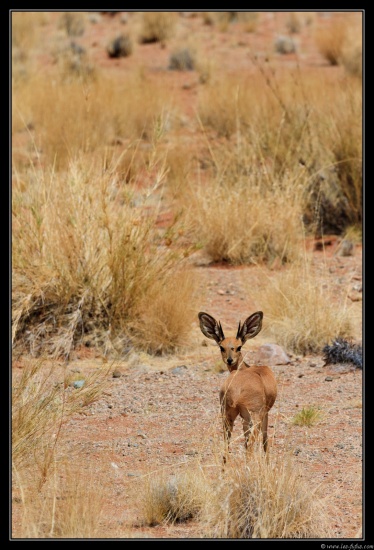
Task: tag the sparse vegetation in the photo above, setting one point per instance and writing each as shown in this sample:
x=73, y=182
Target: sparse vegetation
x=266, y=499
x=331, y=38
x=121, y=46
x=174, y=498
x=157, y=26
x=121, y=170
x=301, y=311
x=308, y=416
x=95, y=260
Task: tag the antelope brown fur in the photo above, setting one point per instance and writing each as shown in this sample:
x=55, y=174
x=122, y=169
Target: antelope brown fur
x=248, y=391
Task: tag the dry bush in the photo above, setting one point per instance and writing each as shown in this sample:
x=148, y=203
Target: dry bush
x=284, y=44
x=73, y=23
x=301, y=310
x=228, y=221
x=351, y=57
x=73, y=63
x=164, y=323
x=157, y=26
x=68, y=506
x=266, y=498
x=330, y=38
x=182, y=59
x=87, y=264
x=304, y=123
x=121, y=46
x=174, y=498
x=71, y=117
x=226, y=214
x=336, y=188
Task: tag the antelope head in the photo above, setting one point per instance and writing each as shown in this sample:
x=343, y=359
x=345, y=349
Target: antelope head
x=231, y=347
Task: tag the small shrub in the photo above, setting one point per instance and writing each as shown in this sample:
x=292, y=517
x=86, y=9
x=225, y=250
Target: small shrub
x=284, y=45
x=342, y=351
x=302, y=311
x=121, y=46
x=157, y=26
x=182, y=60
x=330, y=39
x=73, y=63
x=308, y=416
x=268, y=498
x=72, y=23
x=176, y=498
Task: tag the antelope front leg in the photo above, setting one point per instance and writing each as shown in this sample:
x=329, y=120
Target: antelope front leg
x=228, y=418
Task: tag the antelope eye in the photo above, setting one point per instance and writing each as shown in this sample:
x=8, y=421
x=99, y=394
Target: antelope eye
x=222, y=348
x=238, y=348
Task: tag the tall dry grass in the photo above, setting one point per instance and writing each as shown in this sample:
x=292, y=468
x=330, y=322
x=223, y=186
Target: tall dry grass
x=56, y=498
x=266, y=499
x=42, y=400
x=280, y=127
x=68, y=506
x=227, y=218
x=301, y=310
x=71, y=117
x=330, y=38
x=90, y=268
x=258, y=498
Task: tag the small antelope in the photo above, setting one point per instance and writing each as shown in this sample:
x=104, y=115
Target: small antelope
x=248, y=390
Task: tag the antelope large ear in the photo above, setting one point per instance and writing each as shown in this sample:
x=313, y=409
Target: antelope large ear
x=210, y=328
x=251, y=327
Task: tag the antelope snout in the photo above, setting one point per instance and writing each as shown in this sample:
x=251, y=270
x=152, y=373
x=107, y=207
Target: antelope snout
x=230, y=361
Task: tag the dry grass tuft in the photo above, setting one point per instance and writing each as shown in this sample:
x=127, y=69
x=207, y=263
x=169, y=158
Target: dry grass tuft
x=174, y=498
x=266, y=498
x=226, y=213
x=330, y=39
x=308, y=416
x=89, y=267
x=301, y=310
x=157, y=26
x=68, y=506
x=42, y=400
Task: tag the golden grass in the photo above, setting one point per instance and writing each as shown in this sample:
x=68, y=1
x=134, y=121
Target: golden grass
x=330, y=39
x=87, y=115
x=157, y=26
x=301, y=309
x=68, y=506
x=265, y=498
x=42, y=400
x=88, y=266
x=171, y=498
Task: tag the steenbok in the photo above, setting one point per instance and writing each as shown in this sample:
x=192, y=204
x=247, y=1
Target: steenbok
x=248, y=391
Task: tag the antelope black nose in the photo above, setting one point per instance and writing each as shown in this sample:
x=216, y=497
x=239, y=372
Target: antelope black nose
x=230, y=360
